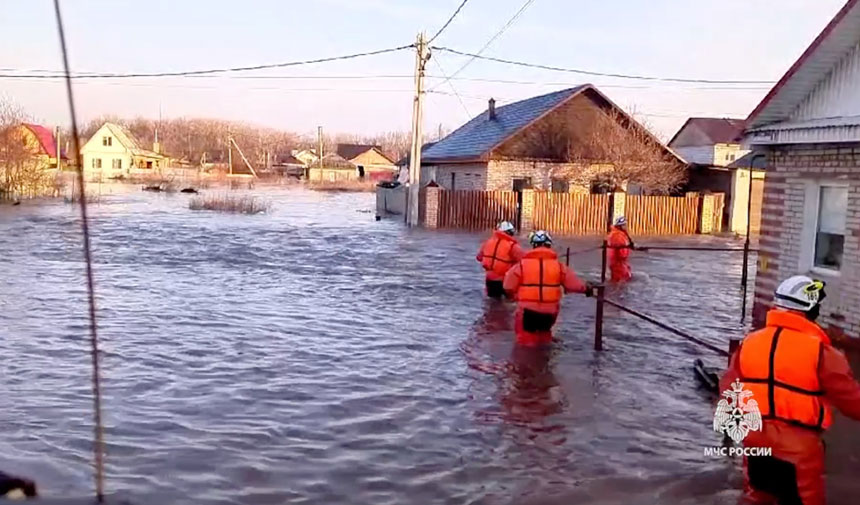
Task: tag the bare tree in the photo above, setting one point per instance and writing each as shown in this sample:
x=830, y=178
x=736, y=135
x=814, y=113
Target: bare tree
x=592, y=145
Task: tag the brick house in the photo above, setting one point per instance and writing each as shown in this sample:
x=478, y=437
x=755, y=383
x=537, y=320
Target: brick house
x=489, y=151
x=808, y=126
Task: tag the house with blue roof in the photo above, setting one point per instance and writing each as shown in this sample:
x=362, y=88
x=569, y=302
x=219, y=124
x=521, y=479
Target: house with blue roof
x=524, y=144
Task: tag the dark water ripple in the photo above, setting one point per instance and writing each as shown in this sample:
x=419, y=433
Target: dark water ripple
x=317, y=356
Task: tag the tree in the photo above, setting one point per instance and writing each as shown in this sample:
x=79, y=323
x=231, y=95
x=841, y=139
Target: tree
x=596, y=145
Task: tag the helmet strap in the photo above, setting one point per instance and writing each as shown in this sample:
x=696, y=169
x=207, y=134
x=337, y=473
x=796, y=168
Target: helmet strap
x=813, y=313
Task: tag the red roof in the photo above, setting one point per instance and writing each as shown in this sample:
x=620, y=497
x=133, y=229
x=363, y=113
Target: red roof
x=715, y=130
x=46, y=139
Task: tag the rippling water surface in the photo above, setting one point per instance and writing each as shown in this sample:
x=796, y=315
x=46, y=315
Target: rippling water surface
x=314, y=355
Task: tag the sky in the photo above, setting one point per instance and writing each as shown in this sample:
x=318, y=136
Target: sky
x=701, y=39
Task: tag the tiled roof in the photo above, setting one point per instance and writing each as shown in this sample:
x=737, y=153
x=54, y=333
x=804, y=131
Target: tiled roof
x=476, y=138
x=46, y=139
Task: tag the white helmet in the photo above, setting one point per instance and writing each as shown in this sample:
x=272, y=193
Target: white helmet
x=621, y=221
x=799, y=293
x=507, y=227
x=540, y=237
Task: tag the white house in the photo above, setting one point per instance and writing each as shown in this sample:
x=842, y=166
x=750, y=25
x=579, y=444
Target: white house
x=808, y=126
x=113, y=152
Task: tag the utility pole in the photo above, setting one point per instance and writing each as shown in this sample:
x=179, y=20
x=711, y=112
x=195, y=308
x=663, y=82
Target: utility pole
x=422, y=55
x=230, y=152
x=320, y=146
x=57, y=146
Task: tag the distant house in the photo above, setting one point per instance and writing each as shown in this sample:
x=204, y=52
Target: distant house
x=113, y=152
x=719, y=163
x=808, y=127
x=289, y=165
x=305, y=156
x=491, y=152
x=41, y=145
x=369, y=161
x=353, y=162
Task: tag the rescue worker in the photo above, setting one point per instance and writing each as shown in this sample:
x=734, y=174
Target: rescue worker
x=795, y=375
x=620, y=244
x=497, y=255
x=538, y=283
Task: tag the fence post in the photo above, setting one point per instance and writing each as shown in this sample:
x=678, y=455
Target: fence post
x=431, y=207
x=528, y=209
x=567, y=257
x=598, y=318
x=604, y=250
x=706, y=218
x=619, y=207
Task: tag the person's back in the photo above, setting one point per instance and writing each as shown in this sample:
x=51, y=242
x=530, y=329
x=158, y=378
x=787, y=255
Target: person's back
x=538, y=283
x=497, y=255
x=794, y=375
x=620, y=244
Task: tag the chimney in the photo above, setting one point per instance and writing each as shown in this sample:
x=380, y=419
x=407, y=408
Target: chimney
x=491, y=109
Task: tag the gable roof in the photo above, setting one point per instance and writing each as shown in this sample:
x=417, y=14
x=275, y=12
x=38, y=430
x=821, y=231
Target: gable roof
x=46, y=139
x=476, y=138
x=711, y=130
x=128, y=140
x=839, y=37
x=352, y=151
x=404, y=161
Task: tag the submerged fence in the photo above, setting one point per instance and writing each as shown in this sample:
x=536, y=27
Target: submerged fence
x=572, y=213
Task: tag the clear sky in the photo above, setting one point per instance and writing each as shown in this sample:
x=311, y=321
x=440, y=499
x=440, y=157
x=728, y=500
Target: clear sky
x=709, y=39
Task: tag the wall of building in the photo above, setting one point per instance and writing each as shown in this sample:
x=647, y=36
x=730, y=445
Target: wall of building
x=724, y=154
x=331, y=174
x=466, y=176
x=788, y=228
x=95, y=149
x=738, y=202
x=372, y=158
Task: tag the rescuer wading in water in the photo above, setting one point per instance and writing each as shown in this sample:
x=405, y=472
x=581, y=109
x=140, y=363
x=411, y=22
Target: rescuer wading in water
x=795, y=376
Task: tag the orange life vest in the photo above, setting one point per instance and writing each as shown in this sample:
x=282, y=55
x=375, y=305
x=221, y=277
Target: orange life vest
x=779, y=365
x=496, y=253
x=541, y=277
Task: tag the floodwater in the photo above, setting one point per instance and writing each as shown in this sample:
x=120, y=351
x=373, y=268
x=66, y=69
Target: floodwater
x=314, y=355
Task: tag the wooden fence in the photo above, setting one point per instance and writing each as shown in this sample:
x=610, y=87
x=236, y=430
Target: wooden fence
x=570, y=213
x=476, y=210
x=662, y=215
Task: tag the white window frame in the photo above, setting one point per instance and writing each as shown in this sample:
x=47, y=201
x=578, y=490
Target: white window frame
x=812, y=207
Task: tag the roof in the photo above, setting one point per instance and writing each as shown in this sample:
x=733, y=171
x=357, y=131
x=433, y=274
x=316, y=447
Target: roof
x=289, y=159
x=46, y=139
x=711, y=130
x=751, y=159
x=405, y=160
x=127, y=139
x=352, y=151
x=476, y=138
x=333, y=161
x=839, y=37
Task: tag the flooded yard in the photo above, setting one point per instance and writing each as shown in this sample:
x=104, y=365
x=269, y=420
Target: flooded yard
x=314, y=355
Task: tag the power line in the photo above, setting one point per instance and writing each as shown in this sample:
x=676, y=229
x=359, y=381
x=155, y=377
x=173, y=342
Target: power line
x=213, y=70
x=591, y=72
x=492, y=39
x=447, y=22
x=463, y=104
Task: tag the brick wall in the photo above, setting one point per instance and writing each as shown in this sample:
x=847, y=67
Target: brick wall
x=468, y=176
x=501, y=173
x=785, y=239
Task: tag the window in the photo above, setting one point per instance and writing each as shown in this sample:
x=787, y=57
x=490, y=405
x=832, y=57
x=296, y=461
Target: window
x=148, y=164
x=830, y=227
x=453, y=181
x=560, y=186
x=117, y=163
x=360, y=172
x=730, y=157
x=522, y=183
x=107, y=141
x=97, y=162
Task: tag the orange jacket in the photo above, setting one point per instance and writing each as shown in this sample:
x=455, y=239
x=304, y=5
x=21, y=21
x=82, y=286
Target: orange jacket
x=539, y=279
x=823, y=368
x=619, y=245
x=498, y=254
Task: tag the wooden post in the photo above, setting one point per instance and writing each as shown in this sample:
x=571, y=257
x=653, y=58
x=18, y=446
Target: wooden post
x=567, y=257
x=598, y=319
x=604, y=248
x=230, y=153
x=421, y=57
x=734, y=343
